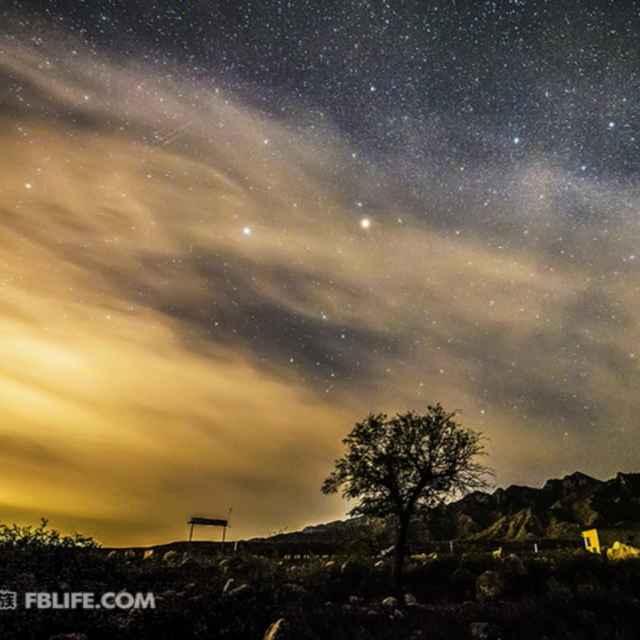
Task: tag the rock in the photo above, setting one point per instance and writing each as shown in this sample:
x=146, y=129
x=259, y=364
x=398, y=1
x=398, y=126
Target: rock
x=228, y=585
x=484, y=631
x=587, y=618
x=621, y=551
x=469, y=609
x=385, y=553
x=242, y=590
x=558, y=591
x=380, y=564
x=356, y=599
x=148, y=554
x=586, y=589
x=489, y=586
x=292, y=587
x=330, y=565
x=410, y=600
x=170, y=556
x=419, y=557
x=112, y=554
x=346, y=566
x=130, y=554
x=275, y=630
x=230, y=564
x=462, y=578
x=514, y=566
x=390, y=602
x=189, y=562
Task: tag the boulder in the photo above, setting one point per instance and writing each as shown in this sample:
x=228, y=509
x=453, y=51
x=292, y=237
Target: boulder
x=189, y=562
x=484, y=631
x=242, y=590
x=293, y=587
x=558, y=591
x=148, y=554
x=621, y=551
x=410, y=600
x=170, y=556
x=489, y=586
x=112, y=554
x=513, y=565
x=419, y=557
x=390, y=602
x=275, y=630
x=331, y=564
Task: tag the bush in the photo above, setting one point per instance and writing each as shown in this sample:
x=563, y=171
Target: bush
x=41, y=537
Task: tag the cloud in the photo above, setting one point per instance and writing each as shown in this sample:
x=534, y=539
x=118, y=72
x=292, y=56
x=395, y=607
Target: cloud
x=158, y=361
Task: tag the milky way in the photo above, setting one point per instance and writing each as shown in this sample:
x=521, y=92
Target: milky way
x=228, y=230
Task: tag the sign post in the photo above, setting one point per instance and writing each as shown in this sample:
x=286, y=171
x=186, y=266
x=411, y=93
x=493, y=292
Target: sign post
x=208, y=522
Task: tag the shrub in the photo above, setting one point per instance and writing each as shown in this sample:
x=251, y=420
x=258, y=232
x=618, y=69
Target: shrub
x=41, y=537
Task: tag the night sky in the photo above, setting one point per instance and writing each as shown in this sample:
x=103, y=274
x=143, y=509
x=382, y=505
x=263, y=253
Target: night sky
x=228, y=230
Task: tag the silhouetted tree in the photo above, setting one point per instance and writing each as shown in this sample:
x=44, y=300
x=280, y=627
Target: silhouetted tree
x=396, y=467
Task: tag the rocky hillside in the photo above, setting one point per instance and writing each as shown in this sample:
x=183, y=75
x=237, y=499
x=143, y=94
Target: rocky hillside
x=558, y=510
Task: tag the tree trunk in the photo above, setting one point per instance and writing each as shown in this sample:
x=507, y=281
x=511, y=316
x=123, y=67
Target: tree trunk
x=399, y=551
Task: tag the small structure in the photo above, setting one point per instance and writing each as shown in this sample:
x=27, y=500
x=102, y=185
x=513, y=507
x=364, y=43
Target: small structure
x=598, y=540
x=591, y=540
x=208, y=522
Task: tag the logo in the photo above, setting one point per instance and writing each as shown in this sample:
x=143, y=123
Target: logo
x=8, y=600
x=76, y=600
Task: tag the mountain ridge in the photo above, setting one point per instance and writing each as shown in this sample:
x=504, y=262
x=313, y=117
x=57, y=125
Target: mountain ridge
x=560, y=509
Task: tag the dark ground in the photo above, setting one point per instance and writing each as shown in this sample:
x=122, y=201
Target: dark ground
x=555, y=594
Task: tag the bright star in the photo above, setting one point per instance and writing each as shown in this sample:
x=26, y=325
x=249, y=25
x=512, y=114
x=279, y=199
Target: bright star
x=365, y=223
x=247, y=231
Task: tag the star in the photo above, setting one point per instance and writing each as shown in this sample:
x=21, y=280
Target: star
x=247, y=231
x=365, y=223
